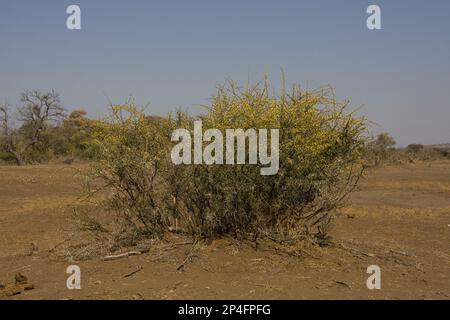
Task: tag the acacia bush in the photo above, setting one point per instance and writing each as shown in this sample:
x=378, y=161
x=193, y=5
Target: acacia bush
x=321, y=145
x=131, y=153
x=321, y=148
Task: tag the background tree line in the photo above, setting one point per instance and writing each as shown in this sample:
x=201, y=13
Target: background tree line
x=380, y=150
x=41, y=129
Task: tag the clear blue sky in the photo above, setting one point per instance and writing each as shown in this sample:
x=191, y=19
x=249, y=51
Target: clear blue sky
x=174, y=53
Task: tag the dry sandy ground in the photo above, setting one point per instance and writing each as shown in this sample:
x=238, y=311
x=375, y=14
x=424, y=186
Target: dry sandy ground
x=399, y=219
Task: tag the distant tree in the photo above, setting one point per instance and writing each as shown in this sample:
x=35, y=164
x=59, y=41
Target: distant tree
x=4, y=118
x=445, y=152
x=415, y=147
x=69, y=138
x=385, y=141
x=379, y=148
x=38, y=112
x=9, y=137
x=77, y=117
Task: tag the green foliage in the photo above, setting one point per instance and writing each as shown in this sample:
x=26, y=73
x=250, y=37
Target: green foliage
x=380, y=150
x=71, y=138
x=132, y=154
x=321, y=146
x=6, y=156
x=414, y=148
x=45, y=132
x=444, y=153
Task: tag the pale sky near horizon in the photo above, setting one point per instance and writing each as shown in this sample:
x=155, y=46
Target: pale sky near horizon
x=173, y=54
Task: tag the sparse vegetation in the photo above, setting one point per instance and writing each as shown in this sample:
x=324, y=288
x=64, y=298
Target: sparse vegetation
x=323, y=149
x=380, y=151
x=40, y=130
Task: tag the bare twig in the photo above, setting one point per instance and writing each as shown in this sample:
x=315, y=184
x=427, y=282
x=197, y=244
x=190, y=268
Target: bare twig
x=61, y=243
x=133, y=272
x=371, y=255
x=122, y=255
x=342, y=283
x=399, y=252
x=188, y=257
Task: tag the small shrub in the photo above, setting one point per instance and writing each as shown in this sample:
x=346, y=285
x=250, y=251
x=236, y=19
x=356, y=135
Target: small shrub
x=444, y=153
x=414, y=148
x=7, y=157
x=321, y=145
x=131, y=153
x=321, y=148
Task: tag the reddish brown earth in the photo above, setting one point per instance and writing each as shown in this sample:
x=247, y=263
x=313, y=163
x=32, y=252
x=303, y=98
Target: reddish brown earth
x=398, y=219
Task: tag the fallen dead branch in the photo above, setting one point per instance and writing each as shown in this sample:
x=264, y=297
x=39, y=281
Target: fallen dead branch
x=61, y=243
x=133, y=272
x=298, y=253
x=342, y=283
x=188, y=257
x=371, y=255
x=390, y=257
x=122, y=255
x=399, y=252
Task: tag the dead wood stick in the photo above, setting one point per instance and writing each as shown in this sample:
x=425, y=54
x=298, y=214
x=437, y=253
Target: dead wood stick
x=61, y=243
x=122, y=255
x=358, y=251
x=342, y=283
x=188, y=257
x=400, y=253
x=133, y=272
